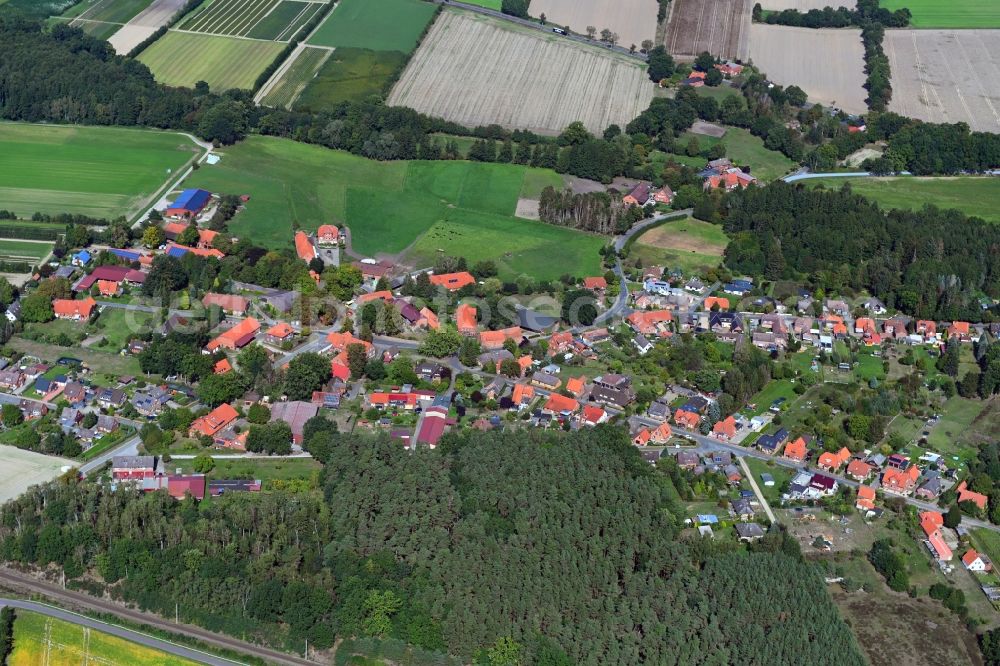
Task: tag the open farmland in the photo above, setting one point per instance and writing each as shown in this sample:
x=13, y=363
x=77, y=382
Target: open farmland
x=184, y=58
x=946, y=76
x=96, y=171
x=972, y=196
x=277, y=20
x=950, y=14
x=23, y=249
x=144, y=24
x=43, y=641
x=296, y=77
x=386, y=25
x=350, y=75
x=102, y=18
x=21, y=469
x=475, y=70
x=688, y=244
x=827, y=63
x=632, y=20
x=718, y=26
x=470, y=204
x=806, y=5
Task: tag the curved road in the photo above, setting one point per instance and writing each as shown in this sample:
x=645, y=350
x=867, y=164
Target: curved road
x=19, y=581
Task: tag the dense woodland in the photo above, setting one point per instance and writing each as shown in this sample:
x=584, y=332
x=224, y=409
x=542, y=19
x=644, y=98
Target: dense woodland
x=931, y=264
x=564, y=549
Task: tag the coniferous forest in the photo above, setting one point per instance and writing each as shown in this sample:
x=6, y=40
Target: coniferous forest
x=565, y=547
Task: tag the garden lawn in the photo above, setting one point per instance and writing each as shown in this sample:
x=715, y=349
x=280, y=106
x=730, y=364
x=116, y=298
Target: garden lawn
x=96, y=171
x=950, y=14
x=745, y=149
x=781, y=474
x=347, y=75
x=389, y=205
x=117, y=324
x=43, y=640
x=386, y=25
x=265, y=470
x=957, y=415
x=781, y=388
x=184, y=58
x=869, y=366
x=971, y=195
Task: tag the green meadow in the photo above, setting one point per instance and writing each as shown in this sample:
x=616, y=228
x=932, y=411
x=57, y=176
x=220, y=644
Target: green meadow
x=458, y=208
x=386, y=25
x=949, y=13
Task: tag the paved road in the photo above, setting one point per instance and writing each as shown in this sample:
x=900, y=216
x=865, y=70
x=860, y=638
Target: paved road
x=805, y=175
x=543, y=28
x=130, y=447
x=19, y=581
x=121, y=632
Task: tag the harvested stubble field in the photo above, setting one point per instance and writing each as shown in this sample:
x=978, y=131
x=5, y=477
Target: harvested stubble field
x=20, y=469
x=946, y=76
x=805, y=5
x=184, y=58
x=633, y=20
x=475, y=70
x=827, y=63
x=717, y=26
x=144, y=24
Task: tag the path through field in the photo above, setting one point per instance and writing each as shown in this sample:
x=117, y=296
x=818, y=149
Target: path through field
x=144, y=25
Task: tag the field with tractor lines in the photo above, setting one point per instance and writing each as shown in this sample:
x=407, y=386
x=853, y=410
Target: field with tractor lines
x=184, y=58
x=827, y=63
x=720, y=27
x=259, y=19
x=946, y=76
x=296, y=78
x=476, y=70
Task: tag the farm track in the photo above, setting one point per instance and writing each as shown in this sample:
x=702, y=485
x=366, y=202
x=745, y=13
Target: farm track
x=537, y=82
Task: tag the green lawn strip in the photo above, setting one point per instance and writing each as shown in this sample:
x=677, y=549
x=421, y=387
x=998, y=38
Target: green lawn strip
x=104, y=443
x=489, y=4
x=952, y=14
x=969, y=194
x=720, y=93
x=184, y=58
x=284, y=21
x=780, y=474
x=349, y=75
x=387, y=25
x=296, y=78
x=98, y=361
x=263, y=469
x=95, y=171
x=659, y=158
x=20, y=248
x=111, y=11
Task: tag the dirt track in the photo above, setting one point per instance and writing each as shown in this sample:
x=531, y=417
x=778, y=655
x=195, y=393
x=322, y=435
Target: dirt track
x=718, y=26
x=633, y=20
x=827, y=63
x=475, y=70
x=946, y=76
x=144, y=24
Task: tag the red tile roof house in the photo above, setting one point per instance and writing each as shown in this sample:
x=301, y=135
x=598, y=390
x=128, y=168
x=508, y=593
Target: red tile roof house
x=866, y=498
x=638, y=196
x=594, y=415
x=973, y=561
x=453, y=281
x=966, y=495
x=109, y=288
x=327, y=234
x=238, y=336
x=664, y=195
x=688, y=420
x=560, y=404
x=230, y=304
x=926, y=328
x=796, y=450
x=428, y=320
x=931, y=522
x=595, y=284
x=493, y=340
x=222, y=367
x=65, y=308
x=960, y=331
x=560, y=343
x=712, y=301
x=304, y=247
x=899, y=481
x=465, y=319
x=725, y=429
x=859, y=470
x=214, y=422
x=279, y=333
x=652, y=323
x=832, y=461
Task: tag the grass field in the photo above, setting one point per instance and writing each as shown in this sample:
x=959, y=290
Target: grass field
x=387, y=25
x=101, y=18
x=22, y=249
x=388, y=205
x=296, y=78
x=972, y=196
x=285, y=21
x=115, y=325
x=781, y=388
x=41, y=641
x=489, y=4
x=349, y=75
x=951, y=14
x=258, y=19
x=688, y=244
x=265, y=470
x=183, y=59
x=744, y=148
x=96, y=171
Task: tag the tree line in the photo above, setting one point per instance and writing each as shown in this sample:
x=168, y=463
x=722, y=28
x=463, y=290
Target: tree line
x=492, y=547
